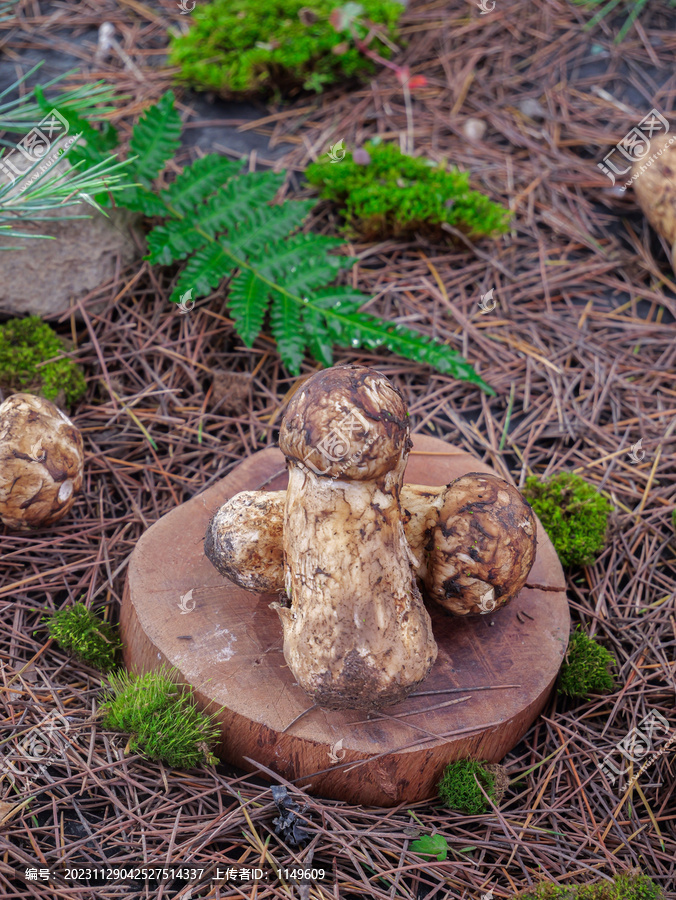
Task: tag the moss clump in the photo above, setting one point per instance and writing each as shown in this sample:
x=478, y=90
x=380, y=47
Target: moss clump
x=632, y=885
x=390, y=194
x=245, y=46
x=458, y=787
x=586, y=668
x=80, y=632
x=161, y=719
x=573, y=513
x=25, y=344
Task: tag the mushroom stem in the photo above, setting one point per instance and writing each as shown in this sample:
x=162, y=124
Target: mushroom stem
x=357, y=634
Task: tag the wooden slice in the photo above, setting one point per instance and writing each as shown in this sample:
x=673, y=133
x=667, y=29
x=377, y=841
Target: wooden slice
x=491, y=679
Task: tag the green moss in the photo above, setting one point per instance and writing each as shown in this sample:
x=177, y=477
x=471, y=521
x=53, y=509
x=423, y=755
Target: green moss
x=394, y=195
x=27, y=343
x=80, y=632
x=242, y=46
x=586, y=667
x=161, y=719
x=632, y=885
x=573, y=513
x=458, y=787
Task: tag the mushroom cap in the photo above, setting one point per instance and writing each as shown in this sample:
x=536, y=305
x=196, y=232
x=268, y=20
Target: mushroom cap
x=655, y=187
x=245, y=540
x=347, y=422
x=483, y=547
x=41, y=462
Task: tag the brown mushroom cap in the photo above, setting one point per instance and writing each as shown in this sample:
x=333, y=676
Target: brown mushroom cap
x=483, y=547
x=655, y=188
x=245, y=540
x=41, y=462
x=348, y=422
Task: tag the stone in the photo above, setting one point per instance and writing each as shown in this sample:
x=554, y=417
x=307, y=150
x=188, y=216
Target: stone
x=46, y=277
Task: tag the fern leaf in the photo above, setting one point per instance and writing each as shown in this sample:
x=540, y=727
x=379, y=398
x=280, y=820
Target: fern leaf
x=231, y=207
x=142, y=201
x=204, y=272
x=268, y=224
x=286, y=327
x=199, y=181
x=234, y=202
x=155, y=139
x=248, y=299
x=318, y=336
x=362, y=330
x=173, y=241
x=302, y=263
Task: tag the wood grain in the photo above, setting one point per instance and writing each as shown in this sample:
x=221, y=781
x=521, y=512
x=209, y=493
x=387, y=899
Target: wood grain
x=229, y=648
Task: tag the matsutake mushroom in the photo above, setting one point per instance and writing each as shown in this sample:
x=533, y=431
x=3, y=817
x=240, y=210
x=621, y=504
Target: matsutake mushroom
x=654, y=182
x=244, y=539
x=356, y=633
x=41, y=462
x=483, y=545
x=466, y=575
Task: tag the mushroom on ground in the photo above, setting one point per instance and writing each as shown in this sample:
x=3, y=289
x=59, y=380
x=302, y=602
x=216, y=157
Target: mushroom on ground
x=244, y=539
x=654, y=182
x=357, y=634
x=483, y=546
x=41, y=462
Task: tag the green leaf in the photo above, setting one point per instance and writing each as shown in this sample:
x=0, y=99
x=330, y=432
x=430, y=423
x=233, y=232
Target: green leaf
x=431, y=845
x=285, y=322
x=199, y=181
x=204, y=272
x=248, y=301
x=140, y=200
x=155, y=139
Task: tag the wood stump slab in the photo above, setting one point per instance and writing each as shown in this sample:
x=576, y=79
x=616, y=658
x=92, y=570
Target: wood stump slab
x=492, y=677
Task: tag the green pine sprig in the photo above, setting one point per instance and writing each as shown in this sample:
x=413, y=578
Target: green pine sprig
x=53, y=189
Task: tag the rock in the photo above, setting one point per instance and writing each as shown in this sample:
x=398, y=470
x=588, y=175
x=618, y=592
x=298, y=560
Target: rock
x=41, y=276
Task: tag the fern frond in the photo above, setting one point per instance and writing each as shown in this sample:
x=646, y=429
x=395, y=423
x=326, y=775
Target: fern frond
x=234, y=203
x=226, y=225
x=302, y=262
x=204, y=272
x=285, y=324
x=155, y=139
x=248, y=301
x=268, y=224
x=199, y=181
